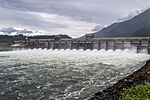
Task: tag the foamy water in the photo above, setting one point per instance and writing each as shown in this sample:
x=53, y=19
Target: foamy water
x=63, y=74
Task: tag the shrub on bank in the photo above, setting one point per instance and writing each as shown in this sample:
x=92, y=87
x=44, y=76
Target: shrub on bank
x=139, y=92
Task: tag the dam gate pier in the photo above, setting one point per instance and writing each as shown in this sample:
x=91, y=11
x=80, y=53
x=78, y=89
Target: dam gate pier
x=138, y=43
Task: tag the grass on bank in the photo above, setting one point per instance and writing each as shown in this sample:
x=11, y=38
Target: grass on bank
x=139, y=92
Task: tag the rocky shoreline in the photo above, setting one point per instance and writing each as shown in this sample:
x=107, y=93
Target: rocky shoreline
x=5, y=49
x=114, y=92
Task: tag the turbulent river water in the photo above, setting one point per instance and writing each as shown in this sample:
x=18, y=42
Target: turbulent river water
x=63, y=74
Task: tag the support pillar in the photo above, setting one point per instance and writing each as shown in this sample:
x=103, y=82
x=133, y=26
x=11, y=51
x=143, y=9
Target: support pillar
x=85, y=45
x=37, y=45
x=40, y=44
x=78, y=45
x=114, y=48
x=148, y=49
x=71, y=45
x=32, y=45
x=48, y=47
x=106, y=45
x=53, y=45
x=91, y=45
x=43, y=45
x=138, y=49
x=65, y=45
x=122, y=45
x=59, y=45
x=27, y=44
x=99, y=45
x=140, y=43
x=131, y=42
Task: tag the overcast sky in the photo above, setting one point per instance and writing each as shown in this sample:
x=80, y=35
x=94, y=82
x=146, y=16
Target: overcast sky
x=73, y=17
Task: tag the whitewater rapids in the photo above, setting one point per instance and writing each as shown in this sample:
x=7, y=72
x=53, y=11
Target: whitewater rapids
x=43, y=74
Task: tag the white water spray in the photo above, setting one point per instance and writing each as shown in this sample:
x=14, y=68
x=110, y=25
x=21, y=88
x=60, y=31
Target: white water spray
x=67, y=74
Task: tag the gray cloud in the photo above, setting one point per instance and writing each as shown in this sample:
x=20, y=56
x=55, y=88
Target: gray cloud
x=132, y=14
x=9, y=30
x=24, y=31
x=75, y=17
x=98, y=28
x=88, y=10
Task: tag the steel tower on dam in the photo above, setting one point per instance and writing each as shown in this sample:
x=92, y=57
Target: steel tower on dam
x=88, y=42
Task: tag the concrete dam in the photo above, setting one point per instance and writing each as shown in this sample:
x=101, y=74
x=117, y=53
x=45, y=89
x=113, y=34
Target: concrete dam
x=139, y=43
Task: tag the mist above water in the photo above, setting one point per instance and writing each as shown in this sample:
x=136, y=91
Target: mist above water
x=64, y=74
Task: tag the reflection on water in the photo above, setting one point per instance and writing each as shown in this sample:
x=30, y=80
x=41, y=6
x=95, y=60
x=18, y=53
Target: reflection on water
x=63, y=74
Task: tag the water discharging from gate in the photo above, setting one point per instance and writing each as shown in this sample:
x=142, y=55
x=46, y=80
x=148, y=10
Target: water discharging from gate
x=63, y=74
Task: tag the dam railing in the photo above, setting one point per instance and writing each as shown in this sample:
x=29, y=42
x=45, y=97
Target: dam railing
x=114, y=43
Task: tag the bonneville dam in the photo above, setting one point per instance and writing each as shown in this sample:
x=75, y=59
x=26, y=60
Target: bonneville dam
x=89, y=42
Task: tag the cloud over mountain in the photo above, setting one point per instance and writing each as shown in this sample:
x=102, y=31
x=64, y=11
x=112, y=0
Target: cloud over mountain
x=10, y=30
x=138, y=26
x=133, y=14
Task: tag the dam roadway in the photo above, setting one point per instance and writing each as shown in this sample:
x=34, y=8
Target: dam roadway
x=139, y=43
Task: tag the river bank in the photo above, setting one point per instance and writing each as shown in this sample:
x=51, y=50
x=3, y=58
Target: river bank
x=115, y=92
x=5, y=46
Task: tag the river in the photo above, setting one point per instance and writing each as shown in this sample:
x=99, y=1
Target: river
x=42, y=74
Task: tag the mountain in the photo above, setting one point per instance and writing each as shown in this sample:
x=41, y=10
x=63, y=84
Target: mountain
x=138, y=26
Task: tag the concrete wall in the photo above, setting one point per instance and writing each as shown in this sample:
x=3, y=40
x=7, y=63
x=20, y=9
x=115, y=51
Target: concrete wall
x=106, y=44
